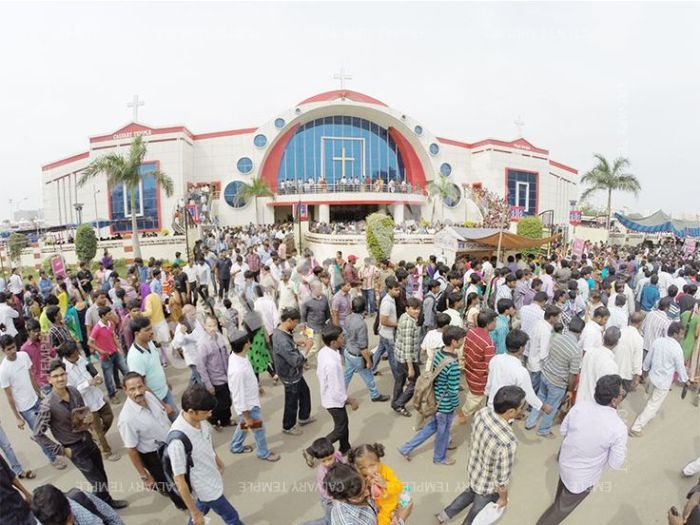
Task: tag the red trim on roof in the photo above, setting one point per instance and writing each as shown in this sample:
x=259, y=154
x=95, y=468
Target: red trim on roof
x=134, y=128
x=68, y=160
x=414, y=168
x=454, y=143
x=563, y=167
x=515, y=144
x=271, y=167
x=343, y=93
x=227, y=133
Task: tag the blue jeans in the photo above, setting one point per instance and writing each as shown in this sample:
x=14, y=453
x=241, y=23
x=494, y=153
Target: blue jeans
x=195, y=377
x=370, y=307
x=6, y=447
x=222, y=507
x=385, y=345
x=438, y=424
x=353, y=363
x=30, y=416
x=551, y=395
x=239, y=436
x=111, y=366
x=169, y=399
x=536, y=378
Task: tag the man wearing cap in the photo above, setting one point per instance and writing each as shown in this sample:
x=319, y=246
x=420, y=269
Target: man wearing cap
x=350, y=272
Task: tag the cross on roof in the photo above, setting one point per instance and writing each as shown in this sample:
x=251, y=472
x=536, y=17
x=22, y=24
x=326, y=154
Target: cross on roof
x=134, y=104
x=342, y=76
x=520, y=125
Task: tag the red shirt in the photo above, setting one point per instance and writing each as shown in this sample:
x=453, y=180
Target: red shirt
x=41, y=354
x=478, y=351
x=104, y=338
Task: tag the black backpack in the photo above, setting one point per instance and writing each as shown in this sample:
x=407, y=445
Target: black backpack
x=175, y=435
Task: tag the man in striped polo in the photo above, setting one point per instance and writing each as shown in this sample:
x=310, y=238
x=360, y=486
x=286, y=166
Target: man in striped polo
x=478, y=351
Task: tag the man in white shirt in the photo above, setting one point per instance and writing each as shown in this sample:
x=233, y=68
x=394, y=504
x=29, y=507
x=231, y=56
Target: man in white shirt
x=7, y=316
x=82, y=380
x=539, y=343
x=656, y=323
x=331, y=379
x=188, y=333
x=246, y=400
x=629, y=352
x=144, y=424
x=206, y=479
x=592, y=335
x=619, y=314
x=663, y=360
x=597, y=362
x=191, y=273
x=265, y=306
x=288, y=292
x=594, y=436
x=531, y=313
x=203, y=278
x=507, y=369
x=15, y=286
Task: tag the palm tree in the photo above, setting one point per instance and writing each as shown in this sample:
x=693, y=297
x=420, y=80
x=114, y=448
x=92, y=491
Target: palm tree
x=125, y=170
x=252, y=190
x=441, y=189
x=607, y=177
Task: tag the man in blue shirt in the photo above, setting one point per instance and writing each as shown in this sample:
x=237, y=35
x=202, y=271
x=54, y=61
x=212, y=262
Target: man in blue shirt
x=650, y=294
x=506, y=310
x=45, y=285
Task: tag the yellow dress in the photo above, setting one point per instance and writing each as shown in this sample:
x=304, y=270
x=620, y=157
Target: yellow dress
x=389, y=498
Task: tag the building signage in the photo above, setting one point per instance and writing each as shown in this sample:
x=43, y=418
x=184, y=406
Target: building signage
x=516, y=213
x=575, y=217
x=130, y=134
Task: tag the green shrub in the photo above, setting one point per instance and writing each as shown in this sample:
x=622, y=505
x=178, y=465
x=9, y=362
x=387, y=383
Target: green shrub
x=15, y=244
x=532, y=228
x=85, y=243
x=380, y=236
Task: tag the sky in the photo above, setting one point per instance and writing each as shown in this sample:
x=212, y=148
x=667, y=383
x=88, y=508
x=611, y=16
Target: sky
x=610, y=78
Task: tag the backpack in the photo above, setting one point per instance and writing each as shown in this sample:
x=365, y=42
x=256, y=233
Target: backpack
x=424, y=393
x=175, y=435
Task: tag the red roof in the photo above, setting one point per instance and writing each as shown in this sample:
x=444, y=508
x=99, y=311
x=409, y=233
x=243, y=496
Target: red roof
x=343, y=93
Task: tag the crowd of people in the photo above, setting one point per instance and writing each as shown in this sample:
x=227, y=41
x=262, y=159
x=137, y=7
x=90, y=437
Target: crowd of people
x=348, y=184
x=546, y=341
x=359, y=227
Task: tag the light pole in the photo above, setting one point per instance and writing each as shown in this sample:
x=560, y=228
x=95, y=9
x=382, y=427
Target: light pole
x=97, y=217
x=572, y=202
x=79, y=210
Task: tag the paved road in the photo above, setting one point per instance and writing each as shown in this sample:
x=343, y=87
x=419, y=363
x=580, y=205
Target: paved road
x=284, y=493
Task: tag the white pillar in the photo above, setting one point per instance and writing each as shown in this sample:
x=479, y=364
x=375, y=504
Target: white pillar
x=324, y=213
x=398, y=212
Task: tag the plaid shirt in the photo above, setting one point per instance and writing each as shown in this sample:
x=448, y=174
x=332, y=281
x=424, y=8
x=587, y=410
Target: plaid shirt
x=492, y=452
x=407, y=345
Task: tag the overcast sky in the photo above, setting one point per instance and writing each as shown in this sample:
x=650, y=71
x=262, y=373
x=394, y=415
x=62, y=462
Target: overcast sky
x=619, y=79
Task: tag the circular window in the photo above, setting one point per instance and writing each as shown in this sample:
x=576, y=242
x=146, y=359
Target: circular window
x=260, y=141
x=418, y=130
x=453, y=195
x=245, y=165
x=445, y=169
x=279, y=123
x=232, y=194
x=434, y=148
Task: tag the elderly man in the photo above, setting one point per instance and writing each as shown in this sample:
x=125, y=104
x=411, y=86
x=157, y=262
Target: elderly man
x=598, y=362
x=187, y=334
x=629, y=352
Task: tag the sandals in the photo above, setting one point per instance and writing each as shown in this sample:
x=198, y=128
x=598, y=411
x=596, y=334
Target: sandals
x=26, y=474
x=245, y=450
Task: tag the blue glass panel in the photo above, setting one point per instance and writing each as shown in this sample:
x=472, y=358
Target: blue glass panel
x=231, y=194
x=522, y=187
x=418, y=130
x=454, y=198
x=260, y=140
x=329, y=145
x=279, y=123
x=434, y=148
x=445, y=169
x=146, y=201
x=245, y=165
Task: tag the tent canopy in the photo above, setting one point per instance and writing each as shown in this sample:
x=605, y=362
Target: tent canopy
x=509, y=241
x=659, y=222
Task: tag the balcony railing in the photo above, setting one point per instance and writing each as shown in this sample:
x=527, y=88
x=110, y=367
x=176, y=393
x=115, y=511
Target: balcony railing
x=297, y=188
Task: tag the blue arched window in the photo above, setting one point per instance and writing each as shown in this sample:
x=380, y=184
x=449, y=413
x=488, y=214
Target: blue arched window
x=331, y=147
x=279, y=123
x=260, y=140
x=232, y=194
x=146, y=197
x=445, y=169
x=244, y=165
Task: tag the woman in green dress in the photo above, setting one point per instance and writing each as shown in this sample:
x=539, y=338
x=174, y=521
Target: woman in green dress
x=691, y=345
x=259, y=353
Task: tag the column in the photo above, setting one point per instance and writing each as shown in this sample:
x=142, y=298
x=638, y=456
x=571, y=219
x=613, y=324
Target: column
x=398, y=212
x=324, y=213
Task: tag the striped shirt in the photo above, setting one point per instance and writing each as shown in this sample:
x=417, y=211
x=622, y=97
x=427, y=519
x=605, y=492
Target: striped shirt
x=478, y=351
x=407, y=346
x=564, y=359
x=446, y=384
x=491, y=454
x=655, y=325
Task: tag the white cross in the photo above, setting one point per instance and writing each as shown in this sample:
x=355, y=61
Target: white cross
x=343, y=159
x=519, y=124
x=134, y=104
x=342, y=77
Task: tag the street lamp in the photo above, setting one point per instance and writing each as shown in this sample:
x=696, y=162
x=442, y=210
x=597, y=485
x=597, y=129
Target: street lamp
x=79, y=210
x=97, y=217
x=572, y=203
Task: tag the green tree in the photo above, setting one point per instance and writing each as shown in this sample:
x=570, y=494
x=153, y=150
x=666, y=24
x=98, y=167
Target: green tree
x=532, y=228
x=439, y=190
x=379, y=235
x=15, y=244
x=609, y=177
x=125, y=170
x=85, y=243
x=252, y=190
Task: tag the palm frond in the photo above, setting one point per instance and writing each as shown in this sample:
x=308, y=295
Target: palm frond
x=107, y=164
x=165, y=182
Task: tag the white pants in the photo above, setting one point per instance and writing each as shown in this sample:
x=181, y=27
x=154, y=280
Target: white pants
x=692, y=468
x=656, y=399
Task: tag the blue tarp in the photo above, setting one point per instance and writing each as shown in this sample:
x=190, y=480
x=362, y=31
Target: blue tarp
x=660, y=222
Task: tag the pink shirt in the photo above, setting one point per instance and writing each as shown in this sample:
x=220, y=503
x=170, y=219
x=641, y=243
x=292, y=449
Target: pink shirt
x=40, y=354
x=331, y=378
x=104, y=337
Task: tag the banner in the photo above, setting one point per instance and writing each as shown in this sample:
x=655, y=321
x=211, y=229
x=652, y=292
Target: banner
x=302, y=210
x=577, y=247
x=575, y=217
x=690, y=245
x=516, y=213
x=58, y=267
